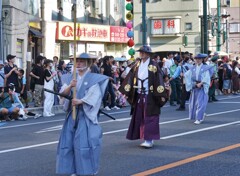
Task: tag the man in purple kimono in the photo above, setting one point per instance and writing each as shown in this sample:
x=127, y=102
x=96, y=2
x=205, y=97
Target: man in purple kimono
x=145, y=90
x=198, y=81
x=80, y=141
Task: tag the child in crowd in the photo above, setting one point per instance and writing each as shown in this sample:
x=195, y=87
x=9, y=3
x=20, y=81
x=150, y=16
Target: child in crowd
x=22, y=85
x=167, y=85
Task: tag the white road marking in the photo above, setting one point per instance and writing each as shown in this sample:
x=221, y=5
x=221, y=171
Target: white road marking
x=230, y=102
x=118, y=112
x=161, y=123
x=29, y=124
x=199, y=130
x=27, y=147
x=116, y=131
x=166, y=137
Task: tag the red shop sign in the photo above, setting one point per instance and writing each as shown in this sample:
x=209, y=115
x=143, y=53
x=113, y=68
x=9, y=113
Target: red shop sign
x=118, y=34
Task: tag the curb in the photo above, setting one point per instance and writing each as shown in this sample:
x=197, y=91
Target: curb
x=57, y=109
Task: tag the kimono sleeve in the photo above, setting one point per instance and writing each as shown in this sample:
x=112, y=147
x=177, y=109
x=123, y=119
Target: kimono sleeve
x=188, y=80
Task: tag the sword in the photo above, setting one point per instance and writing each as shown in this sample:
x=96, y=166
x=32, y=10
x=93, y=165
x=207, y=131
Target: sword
x=70, y=98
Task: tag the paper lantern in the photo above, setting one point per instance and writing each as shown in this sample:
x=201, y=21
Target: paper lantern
x=130, y=42
x=130, y=34
x=131, y=51
x=129, y=16
x=129, y=0
x=129, y=7
x=129, y=24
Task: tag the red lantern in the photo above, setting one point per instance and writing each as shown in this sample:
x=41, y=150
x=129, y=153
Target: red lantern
x=130, y=42
x=128, y=0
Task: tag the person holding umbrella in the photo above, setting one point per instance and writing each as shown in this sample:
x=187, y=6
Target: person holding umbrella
x=81, y=137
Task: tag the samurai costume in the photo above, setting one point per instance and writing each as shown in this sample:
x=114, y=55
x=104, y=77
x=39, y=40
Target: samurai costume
x=146, y=94
x=199, y=96
x=81, y=139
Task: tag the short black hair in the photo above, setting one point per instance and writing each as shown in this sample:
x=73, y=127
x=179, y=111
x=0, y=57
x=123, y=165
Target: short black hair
x=165, y=76
x=39, y=59
x=21, y=71
x=55, y=57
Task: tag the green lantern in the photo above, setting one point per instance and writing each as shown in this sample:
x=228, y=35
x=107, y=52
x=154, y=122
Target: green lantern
x=131, y=51
x=129, y=6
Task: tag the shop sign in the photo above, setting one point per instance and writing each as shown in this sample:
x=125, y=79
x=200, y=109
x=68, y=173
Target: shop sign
x=157, y=27
x=118, y=34
x=84, y=32
x=165, y=26
x=90, y=32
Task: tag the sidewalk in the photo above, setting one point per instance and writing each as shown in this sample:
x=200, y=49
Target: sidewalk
x=57, y=109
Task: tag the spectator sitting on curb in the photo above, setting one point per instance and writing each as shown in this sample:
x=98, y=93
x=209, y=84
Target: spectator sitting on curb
x=7, y=109
x=23, y=113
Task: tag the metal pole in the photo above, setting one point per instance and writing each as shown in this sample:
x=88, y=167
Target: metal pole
x=74, y=55
x=205, y=27
x=144, y=36
x=218, y=25
x=202, y=35
x=1, y=33
x=227, y=43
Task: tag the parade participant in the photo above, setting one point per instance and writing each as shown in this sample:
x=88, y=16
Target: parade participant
x=145, y=91
x=198, y=82
x=80, y=141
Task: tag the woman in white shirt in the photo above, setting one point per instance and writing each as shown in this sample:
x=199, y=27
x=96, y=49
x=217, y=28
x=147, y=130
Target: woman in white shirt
x=48, y=84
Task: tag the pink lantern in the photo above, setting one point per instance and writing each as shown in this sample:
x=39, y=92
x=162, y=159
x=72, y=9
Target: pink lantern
x=129, y=24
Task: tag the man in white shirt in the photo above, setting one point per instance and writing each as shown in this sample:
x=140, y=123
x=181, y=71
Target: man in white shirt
x=169, y=62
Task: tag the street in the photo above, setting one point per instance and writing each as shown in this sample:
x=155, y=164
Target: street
x=28, y=148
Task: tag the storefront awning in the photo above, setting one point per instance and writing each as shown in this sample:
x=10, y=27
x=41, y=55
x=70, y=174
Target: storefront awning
x=36, y=33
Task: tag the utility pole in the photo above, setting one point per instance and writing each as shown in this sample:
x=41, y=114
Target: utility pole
x=205, y=28
x=1, y=32
x=218, y=25
x=144, y=36
x=225, y=16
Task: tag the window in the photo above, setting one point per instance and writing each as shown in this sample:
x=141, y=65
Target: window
x=234, y=28
x=228, y=2
x=188, y=26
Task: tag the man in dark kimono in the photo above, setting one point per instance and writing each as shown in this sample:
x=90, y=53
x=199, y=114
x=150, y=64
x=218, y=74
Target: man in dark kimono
x=80, y=141
x=146, y=94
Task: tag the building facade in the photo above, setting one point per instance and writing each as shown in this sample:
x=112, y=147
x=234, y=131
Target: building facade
x=230, y=28
x=100, y=28
x=169, y=23
x=21, y=30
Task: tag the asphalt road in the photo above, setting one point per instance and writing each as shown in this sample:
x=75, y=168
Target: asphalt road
x=28, y=148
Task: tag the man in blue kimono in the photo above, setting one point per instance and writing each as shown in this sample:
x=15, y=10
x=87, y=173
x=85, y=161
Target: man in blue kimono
x=198, y=81
x=80, y=141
